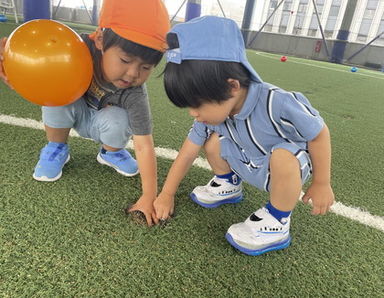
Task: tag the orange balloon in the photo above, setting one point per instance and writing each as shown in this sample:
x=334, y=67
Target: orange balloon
x=47, y=63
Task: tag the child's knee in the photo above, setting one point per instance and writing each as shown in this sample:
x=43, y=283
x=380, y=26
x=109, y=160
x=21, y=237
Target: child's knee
x=283, y=161
x=212, y=145
x=114, y=119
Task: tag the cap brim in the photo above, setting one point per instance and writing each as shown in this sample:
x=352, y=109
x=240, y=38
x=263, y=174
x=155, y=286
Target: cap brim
x=254, y=75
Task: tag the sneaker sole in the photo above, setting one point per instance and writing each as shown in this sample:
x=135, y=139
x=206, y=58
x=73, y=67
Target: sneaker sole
x=104, y=162
x=46, y=179
x=233, y=200
x=256, y=252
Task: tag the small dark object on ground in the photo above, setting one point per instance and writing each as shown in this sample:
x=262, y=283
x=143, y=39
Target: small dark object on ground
x=163, y=222
x=136, y=216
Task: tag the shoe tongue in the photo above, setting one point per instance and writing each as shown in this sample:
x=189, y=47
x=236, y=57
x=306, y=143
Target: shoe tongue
x=214, y=184
x=254, y=217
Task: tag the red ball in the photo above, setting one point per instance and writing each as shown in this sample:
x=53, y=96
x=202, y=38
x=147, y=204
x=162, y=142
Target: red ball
x=283, y=58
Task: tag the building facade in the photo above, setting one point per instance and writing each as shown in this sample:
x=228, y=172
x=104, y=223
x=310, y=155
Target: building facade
x=292, y=17
x=298, y=17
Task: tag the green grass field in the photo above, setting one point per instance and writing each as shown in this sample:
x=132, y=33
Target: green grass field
x=72, y=238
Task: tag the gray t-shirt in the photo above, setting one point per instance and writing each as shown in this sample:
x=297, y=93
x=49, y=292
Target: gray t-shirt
x=134, y=99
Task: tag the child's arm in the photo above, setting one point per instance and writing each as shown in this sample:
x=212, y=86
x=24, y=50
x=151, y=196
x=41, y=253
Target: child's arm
x=3, y=77
x=320, y=190
x=164, y=203
x=146, y=160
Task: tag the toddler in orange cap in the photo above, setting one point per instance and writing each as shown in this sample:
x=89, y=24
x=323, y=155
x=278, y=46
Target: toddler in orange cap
x=128, y=44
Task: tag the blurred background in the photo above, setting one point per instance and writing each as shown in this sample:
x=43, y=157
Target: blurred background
x=340, y=31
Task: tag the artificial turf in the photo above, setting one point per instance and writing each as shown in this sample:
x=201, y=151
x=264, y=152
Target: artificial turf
x=72, y=238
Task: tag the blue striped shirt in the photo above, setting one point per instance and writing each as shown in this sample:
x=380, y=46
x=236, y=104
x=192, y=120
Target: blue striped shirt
x=269, y=116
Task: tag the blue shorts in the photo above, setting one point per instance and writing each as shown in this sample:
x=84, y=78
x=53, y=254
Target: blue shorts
x=109, y=126
x=255, y=170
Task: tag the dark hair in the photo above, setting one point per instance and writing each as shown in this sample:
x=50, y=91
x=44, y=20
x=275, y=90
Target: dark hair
x=194, y=82
x=111, y=39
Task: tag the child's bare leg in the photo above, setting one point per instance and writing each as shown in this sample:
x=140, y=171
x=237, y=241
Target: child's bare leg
x=212, y=151
x=109, y=148
x=57, y=135
x=268, y=227
x=285, y=180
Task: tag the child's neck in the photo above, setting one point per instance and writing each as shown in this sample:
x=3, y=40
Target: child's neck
x=240, y=98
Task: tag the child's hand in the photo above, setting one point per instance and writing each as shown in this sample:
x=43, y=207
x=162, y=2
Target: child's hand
x=145, y=205
x=322, y=197
x=164, y=206
x=3, y=77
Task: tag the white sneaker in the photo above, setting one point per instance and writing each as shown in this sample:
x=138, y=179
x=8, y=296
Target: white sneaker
x=218, y=191
x=259, y=233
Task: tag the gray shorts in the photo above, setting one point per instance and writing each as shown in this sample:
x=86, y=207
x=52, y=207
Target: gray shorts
x=255, y=170
x=109, y=126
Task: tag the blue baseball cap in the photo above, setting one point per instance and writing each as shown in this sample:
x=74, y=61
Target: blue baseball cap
x=210, y=38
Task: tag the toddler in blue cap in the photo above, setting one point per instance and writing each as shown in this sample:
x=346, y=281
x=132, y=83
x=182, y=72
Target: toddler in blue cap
x=250, y=130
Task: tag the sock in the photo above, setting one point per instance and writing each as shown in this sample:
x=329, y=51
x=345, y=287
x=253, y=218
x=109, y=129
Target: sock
x=103, y=151
x=276, y=213
x=231, y=177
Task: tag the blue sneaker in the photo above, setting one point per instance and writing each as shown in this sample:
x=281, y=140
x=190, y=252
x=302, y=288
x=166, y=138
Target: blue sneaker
x=53, y=157
x=121, y=161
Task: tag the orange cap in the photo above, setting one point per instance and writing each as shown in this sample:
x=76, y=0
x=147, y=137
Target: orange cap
x=145, y=22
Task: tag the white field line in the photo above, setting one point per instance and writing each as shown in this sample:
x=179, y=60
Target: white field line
x=293, y=60
x=338, y=208
x=161, y=152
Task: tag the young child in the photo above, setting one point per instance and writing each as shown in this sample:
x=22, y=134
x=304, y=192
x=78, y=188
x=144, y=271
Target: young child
x=128, y=44
x=250, y=130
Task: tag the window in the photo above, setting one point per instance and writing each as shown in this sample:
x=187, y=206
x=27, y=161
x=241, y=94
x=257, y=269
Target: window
x=372, y=4
x=285, y=16
x=287, y=5
x=271, y=10
x=380, y=40
x=314, y=25
x=381, y=28
x=300, y=16
x=366, y=22
x=332, y=18
x=364, y=27
x=273, y=4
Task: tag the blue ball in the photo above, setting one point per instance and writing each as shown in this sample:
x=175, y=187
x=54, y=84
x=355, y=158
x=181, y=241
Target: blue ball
x=353, y=69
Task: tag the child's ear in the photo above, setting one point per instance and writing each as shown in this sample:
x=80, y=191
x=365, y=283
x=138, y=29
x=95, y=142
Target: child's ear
x=99, y=39
x=234, y=84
